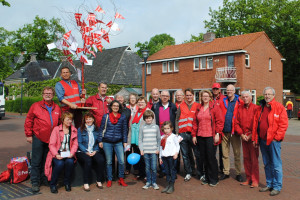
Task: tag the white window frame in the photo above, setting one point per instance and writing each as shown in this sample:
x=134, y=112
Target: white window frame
x=208, y=62
x=148, y=68
x=45, y=72
x=164, y=67
x=176, y=61
x=247, y=58
x=201, y=63
x=170, y=66
x=270, y=64
x=195, y=64
x=253, y=93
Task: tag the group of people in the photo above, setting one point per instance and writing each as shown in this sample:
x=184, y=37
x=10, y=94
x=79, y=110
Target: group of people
x=160, y=131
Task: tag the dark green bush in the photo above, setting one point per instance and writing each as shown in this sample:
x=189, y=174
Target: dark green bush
x=259, y=98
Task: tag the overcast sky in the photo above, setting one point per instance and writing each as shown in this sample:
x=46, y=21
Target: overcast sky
x=143, y=18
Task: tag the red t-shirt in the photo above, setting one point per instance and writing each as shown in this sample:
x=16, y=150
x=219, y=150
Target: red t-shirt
x=264, y=124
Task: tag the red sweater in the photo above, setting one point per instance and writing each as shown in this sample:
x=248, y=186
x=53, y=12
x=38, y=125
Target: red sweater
x=244, y=119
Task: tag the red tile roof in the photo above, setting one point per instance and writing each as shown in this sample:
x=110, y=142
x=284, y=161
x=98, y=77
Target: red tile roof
x=238, y=42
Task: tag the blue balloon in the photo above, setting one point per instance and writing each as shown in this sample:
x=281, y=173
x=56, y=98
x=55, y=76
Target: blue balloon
x=133, y=158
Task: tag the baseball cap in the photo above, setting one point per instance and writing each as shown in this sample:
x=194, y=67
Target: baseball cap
x=216, y=85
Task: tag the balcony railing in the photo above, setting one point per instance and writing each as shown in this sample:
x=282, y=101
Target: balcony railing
x=226, y=74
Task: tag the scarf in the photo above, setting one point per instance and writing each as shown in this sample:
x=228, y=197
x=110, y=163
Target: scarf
x=90, y=130
x=164, y=140
x=48, y=104
x=137, y=118
x=114, y=119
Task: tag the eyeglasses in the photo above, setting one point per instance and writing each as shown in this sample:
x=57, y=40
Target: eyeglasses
x=165, y=96
x=269, y=95
x=116, y=106
x=216, y=88
x=47, y=93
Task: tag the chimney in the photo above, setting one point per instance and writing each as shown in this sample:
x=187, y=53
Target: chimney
x=208, y=37
x=33, y=57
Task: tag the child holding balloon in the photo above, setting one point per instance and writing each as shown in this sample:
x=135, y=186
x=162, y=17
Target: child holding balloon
x=149, y=142
x=169, y=150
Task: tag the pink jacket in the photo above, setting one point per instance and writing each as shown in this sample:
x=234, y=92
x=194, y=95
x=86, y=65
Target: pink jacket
x=56, y=137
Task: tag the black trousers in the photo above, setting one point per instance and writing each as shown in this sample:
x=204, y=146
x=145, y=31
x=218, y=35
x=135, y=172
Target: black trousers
x=208, y=155
x=87, y=162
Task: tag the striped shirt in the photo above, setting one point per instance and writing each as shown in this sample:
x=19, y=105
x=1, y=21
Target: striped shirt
x=149, y=138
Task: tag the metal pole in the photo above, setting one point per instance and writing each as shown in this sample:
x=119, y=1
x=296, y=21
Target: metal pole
x=145, y=73
x=21, y=95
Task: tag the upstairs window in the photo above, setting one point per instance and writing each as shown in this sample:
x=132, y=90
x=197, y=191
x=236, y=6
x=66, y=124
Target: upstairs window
x=247, y=60
x=270, y=64
x=170, y=66
x=210, y=62
x=196, y=63
x=164, y=67
x=203, y=63
x=176, y=66
x=230, y=61
x=148, y=68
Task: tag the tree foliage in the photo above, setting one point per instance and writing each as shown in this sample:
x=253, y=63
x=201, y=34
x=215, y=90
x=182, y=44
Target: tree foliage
x=155, y=44
x=194, y=38
x=4, y=3
x=279, y=19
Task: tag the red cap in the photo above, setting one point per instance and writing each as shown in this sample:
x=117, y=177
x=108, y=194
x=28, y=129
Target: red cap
x=216, y=85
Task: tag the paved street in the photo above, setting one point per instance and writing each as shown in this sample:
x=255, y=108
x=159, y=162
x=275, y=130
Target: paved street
x=13, y=144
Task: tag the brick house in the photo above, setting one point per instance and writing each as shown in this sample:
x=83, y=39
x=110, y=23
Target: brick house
x=249, y=61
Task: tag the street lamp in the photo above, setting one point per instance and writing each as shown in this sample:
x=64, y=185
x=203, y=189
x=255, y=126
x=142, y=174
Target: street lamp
x=145, y=54
x=22, y=76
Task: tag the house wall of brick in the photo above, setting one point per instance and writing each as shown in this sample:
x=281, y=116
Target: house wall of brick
x=258, y=75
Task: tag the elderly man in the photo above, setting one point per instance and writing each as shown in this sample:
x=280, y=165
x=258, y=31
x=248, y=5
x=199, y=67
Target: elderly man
x=217, y=98
x=229, y=106
x=269, y=127
x=243, y=126
x=184, y=119
x=70, y=95
x=155, y=99
x=42, y=117
x=179, y=97
x=100, y=101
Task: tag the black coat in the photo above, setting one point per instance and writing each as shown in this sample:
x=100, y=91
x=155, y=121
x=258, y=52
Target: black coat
x=173, y=110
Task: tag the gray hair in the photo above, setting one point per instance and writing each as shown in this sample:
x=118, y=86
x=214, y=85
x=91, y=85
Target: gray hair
x=231, y=85
x=119, y=95
x=177, y=91
x=269, y=88
x=165, y=91
x=246, y=92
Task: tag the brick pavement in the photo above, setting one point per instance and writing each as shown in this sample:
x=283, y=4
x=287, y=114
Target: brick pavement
x=13, y=143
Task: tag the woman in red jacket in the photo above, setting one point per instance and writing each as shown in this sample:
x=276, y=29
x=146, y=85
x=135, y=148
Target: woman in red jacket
x=62, y=148
x=207, y=130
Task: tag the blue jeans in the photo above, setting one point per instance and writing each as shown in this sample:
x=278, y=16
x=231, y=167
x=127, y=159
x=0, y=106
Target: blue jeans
x=150, y=162
x=58, y=166
x=273, y=164
x=170, y=168
x=119, y=150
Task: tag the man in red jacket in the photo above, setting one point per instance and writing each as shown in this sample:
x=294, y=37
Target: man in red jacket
x=42, y=117
x=243, y=126
x=100, y=101
x=269, y=127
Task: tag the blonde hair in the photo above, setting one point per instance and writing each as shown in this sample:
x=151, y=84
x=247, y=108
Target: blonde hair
x=205, y=91
x=66, y=115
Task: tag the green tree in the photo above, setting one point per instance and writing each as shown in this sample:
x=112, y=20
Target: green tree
x=35, y=37
x=279, y=19
x=4, y=3
x=155, y=44
x=194, y=38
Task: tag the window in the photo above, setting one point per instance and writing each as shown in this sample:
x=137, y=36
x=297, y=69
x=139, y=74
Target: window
x=247, y=60
x=270, y=64
x=253, y=92
x=176, y=66
x=164, y=67
x=170, y=66
x=203, y=63
x=45, y=72
x=148, y=68
x=210, y=62
x=196, y=63
x=230, y=61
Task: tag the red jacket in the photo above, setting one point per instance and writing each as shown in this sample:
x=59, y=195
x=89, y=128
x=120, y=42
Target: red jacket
x=38, y=121
x=223, y=106
x=216, y=118
x=102, y=107
x=219, y=99
x=57, y=136
x=244, y=119
x=277, y=119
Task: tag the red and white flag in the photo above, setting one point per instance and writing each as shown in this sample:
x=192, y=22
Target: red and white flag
x=83, y=59
x=65, y=44
x=105, y=37
x=70, y=60
x=99, y=9
x=78, y=50
x=66, y=52
x=118, y=15
x=91, y=17
x=77, y=18
x=109, y=24
x=67, y=35
x=99, y=21
x=87, y=29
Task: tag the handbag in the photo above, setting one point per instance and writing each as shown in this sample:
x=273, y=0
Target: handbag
x=104, y=130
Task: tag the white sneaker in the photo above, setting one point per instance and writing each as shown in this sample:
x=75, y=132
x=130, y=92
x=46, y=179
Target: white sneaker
x=187, y=177
x=202, y=178
x=155, y=186
x=148, y=185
